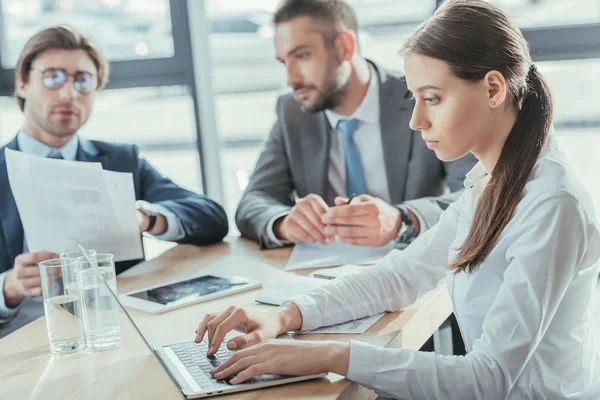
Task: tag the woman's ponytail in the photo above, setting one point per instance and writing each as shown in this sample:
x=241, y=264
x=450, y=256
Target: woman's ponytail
x=500, y=197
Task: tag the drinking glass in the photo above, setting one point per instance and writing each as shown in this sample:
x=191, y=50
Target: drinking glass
x=100, y=309
x=62, y=305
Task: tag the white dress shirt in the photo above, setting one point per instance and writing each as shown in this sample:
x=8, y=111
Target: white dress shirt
x=29, y=145
x=526, y=313
x=368, y=141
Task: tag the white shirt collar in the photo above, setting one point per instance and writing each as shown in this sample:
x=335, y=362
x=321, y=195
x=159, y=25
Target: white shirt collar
x=368, y=110
x=29, y=145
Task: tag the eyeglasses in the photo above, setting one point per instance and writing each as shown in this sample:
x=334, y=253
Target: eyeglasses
x=55, y=78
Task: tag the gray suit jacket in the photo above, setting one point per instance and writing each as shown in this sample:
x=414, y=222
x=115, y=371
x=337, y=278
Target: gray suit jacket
x=296, y=156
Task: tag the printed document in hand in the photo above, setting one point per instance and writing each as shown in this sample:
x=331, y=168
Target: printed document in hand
x=317, y=255
x=62, y=203
x=359, y=326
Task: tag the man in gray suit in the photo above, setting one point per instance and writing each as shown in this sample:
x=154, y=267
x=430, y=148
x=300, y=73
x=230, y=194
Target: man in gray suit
x=343, y=132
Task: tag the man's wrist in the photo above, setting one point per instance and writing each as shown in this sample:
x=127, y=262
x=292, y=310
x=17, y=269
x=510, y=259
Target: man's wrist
x=150, y=215
x=277, y=229
x=12, y=297
x=160, y=226
x=398, y=224
x=145, y=221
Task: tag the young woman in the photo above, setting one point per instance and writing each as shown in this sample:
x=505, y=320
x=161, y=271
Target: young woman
x=519, y=250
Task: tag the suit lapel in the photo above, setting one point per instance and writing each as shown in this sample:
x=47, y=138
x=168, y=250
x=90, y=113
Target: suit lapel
x=395, y=112
x=89, y=152
x=315, y=142
x=12, y=229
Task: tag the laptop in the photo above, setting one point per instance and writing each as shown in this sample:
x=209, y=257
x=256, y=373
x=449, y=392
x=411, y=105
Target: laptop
x=188, y=366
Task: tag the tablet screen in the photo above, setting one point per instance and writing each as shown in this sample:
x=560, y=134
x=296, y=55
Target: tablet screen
x=191, y=289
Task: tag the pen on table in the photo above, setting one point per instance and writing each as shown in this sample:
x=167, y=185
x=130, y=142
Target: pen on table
x=322, y=276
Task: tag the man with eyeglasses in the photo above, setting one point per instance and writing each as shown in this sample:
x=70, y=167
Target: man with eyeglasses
x=57, y=77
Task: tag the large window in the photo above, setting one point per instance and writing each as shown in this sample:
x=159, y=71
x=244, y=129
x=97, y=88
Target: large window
x=126, y=29
x=544, y=13
x=574, y=86
x=152, y=97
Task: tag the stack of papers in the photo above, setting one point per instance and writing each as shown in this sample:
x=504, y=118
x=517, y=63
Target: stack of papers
x=63, y=203
x=278, y=291
x=359, y=326
x=316, y=255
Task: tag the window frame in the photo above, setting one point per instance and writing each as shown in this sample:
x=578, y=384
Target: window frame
x=552, y=43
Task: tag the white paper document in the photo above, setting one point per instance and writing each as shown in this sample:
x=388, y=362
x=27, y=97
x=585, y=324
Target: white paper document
x=332, y=273
x=63, y=203
x=316, y=255
x=277, y=291
x=359, y=326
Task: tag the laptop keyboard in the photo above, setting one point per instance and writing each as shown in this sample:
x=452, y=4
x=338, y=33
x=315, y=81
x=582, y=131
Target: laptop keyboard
x=193, y=356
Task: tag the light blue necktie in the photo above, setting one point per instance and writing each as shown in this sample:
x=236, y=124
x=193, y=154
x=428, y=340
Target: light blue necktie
x=355, y=176
x=55, y=154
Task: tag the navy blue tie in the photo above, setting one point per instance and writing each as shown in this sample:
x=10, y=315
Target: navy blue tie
x=355, y=176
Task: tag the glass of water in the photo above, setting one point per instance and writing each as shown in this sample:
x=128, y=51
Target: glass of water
x=62, y=306
x=100, y=309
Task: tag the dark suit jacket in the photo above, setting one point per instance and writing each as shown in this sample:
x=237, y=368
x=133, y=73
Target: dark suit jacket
x=296, y=158
x=203, y=220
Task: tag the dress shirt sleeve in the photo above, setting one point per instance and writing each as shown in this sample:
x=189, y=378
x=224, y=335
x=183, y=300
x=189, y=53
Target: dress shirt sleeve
x=6, y=313
x=271, y=240
x=203, y=220
x=535, y=282
x=175, y=229
x=395, y=282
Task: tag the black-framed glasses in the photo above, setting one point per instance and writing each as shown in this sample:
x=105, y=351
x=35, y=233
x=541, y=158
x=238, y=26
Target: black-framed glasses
x=55, y=78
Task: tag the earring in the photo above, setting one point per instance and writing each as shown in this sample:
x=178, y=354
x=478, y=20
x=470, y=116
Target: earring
x=493, y=103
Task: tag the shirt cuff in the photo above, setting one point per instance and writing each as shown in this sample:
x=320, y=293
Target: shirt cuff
x=270, y=234
x=6, y=313
x=311, y=316
x=174, y=230
x=363, y=363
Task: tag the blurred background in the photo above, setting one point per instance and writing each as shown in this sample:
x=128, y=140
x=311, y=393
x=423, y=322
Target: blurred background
x=194, y=83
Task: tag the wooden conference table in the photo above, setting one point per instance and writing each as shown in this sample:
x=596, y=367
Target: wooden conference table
x=130, y=371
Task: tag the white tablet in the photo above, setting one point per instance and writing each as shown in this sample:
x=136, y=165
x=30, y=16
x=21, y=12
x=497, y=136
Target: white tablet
x=169, y=296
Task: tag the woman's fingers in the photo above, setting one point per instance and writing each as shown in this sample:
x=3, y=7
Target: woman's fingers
x=250, y=372
x=239, y=365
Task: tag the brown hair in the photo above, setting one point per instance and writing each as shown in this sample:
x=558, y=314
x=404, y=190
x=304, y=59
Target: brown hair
x=474, y=37
x=59, y=37
x=335, y=14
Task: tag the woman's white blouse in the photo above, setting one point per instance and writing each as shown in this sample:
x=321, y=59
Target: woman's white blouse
x=526, y=314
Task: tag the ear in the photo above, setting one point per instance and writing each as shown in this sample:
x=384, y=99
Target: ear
x=21, y=88
x=496, y=88
x=345, y=45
